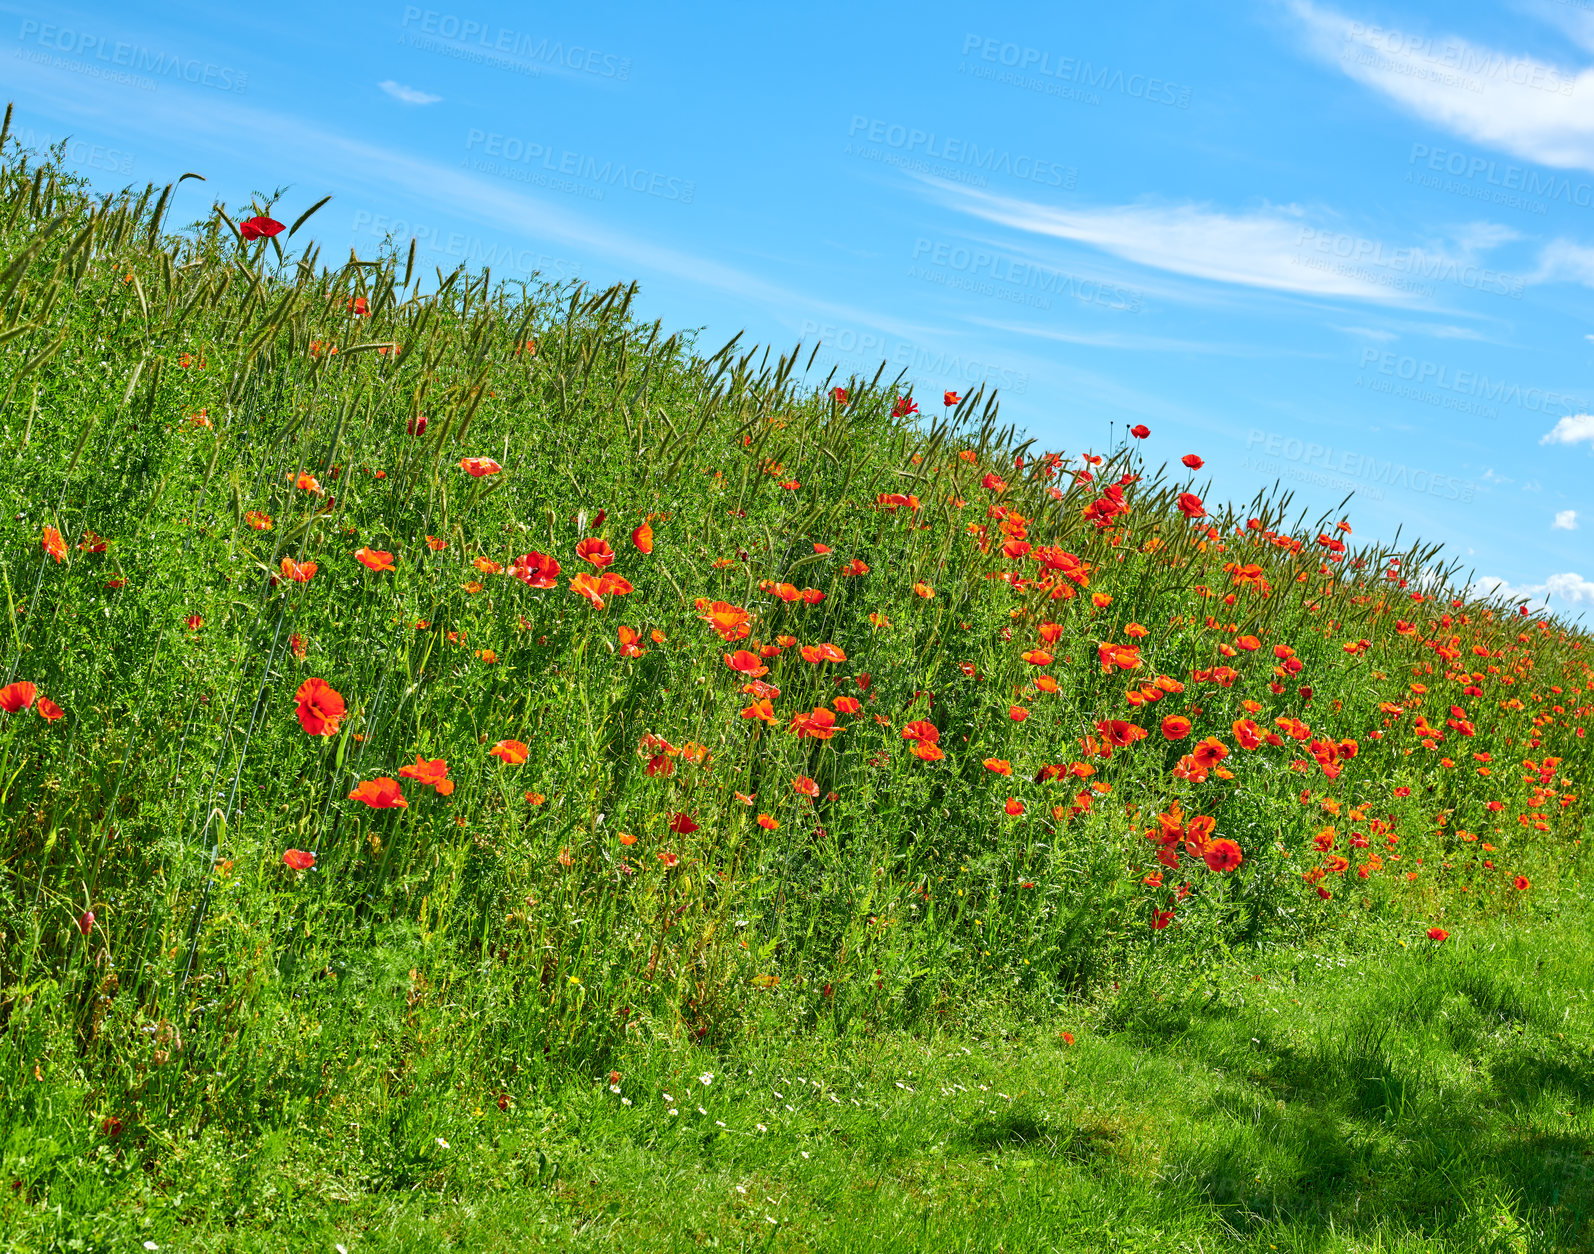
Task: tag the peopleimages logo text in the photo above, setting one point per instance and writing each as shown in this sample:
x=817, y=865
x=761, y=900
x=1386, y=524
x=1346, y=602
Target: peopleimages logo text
x=1470, y=383
x=472, y=249
x=1323, y=460
x=80, y=152
x=1024, y=60
x=490, y=38
x=869, y=349
x=1000, y=268
x=1355, y=250
x=915, y=141
x=561, y=161
x=134, y=57
x=1511, y=178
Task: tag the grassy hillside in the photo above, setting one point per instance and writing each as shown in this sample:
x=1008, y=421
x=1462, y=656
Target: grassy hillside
x=426, y=693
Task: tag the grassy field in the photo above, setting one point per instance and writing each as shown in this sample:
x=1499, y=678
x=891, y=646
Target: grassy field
x=442, y=718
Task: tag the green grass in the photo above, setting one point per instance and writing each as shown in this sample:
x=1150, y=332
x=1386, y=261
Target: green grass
x=1366, y=1096
x=201, y=1034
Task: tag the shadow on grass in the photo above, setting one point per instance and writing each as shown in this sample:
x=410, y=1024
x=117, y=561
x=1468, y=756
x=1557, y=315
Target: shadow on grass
x=1019, y=1129
x=1435, y=1108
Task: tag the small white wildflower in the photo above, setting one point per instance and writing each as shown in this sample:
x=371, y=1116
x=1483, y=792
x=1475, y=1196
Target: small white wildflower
x=791, y=1108
x=614, y=1088
x=668, y=1098
x=742, y=1188
x=761, y=1128
x=706, y=1078
x=150, y=1245
x=701, y=1111
x=779, y=1096
x=804, y=1153
x=673, y=1111
x=442, y=1143
x=721, y=1122
x=625, y=1101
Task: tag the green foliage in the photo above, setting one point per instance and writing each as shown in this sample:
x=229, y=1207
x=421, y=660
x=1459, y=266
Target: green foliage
x=194, y=420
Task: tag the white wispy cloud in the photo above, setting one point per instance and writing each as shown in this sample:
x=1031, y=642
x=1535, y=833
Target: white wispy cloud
x=1565, y=520
x=1280, y=248
x=1568, y=588
x=1521, y=104
x=1573, y=429
x=409, y=95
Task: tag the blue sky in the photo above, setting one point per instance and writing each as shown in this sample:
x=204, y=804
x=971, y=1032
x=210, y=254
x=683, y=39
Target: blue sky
x=1348, y=246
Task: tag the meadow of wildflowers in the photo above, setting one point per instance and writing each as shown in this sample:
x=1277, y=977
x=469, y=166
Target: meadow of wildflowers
x=416, y=683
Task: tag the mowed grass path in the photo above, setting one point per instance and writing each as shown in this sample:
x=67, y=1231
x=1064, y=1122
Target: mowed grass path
x=1379, y=1097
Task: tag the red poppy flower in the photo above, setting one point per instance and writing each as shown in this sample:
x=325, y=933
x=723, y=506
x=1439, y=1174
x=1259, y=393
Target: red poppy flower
x=433, y=774
x=49, y=710
x=53, y=544
x=1438, y=934
x=1248, y=734
x=822, y=653
x=998, y=766
x=904, y=406
x=298, y=572
x=730, y=621
x=260, y=227
x=258, y=521
x=1521, y=883
x=921, y=730
x=819, y=725
x=747, y=663
x=1038, y=657
x=320, y=709
x=536, y=570
x=682, y=824
x=585, y=585
x=1222, y=854
x=298, y=859
x=513, y=752
x=993, y=483
x=767, y=823
x=1014, y=806
x=613, y=585
x=85, y=922
x=760, y=709
x=846, y=705
x=1210, y=752
x=642, y=538
x=805, y=786
x=416, y=425
x=839, y=395
x=1190, y=505
x=596, y=551
x=17, y=697
x=374, y=559
x=927, y=751
x=380, y=793
x=1017, y=713
x=1192, y=461
x=1140, y=431
x=1120, y=733
x=855, y=567
x=1175, y=727
x=476, y=467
